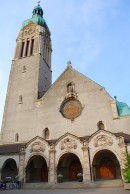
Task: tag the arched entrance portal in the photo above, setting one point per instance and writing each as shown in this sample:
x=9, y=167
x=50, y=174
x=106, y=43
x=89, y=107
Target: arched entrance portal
x=106, y=166
x=36, y=170
x=9, y=169
x=69, y=166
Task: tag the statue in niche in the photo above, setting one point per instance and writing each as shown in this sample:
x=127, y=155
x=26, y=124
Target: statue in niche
x=70, y=88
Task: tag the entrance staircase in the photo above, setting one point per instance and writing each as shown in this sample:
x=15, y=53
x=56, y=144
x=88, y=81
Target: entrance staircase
x=109, y=183
x=75, y=185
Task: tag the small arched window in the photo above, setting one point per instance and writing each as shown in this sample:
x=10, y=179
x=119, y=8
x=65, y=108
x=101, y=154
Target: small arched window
x=20, y=99
x=101, y=125
x=46, y=133
x=24, y=69
x=16, y=137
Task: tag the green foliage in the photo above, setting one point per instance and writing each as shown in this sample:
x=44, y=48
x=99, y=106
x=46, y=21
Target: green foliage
x=126, y=170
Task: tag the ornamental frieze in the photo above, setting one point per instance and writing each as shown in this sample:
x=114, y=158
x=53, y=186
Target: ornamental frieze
x=68, y=143
x=103, y=140
x=37, y=147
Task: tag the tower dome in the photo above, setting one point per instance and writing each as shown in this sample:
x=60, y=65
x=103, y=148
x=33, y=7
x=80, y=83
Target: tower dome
x=37, y=18
x=38, y=10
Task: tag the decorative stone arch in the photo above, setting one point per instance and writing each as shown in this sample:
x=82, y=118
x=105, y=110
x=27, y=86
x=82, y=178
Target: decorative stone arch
x=106, y=148
x=36, y=168
x=106, y=164
x=36, y=154
x=69, y=165
x=69, y=152
x=9, y=168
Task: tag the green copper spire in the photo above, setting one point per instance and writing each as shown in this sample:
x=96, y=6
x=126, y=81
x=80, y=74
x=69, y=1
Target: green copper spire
x=37, y=17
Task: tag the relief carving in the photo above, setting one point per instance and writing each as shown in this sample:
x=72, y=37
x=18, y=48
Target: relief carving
x=121, y=141
x=103, y=140
x=71, y=109
x=37, y=147
x=68, y=143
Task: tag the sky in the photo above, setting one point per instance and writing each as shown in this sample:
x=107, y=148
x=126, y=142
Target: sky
x=93, y=34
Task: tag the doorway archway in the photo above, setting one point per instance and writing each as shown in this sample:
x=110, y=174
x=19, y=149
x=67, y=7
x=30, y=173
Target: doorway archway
x=69, y=166
x=106, y=166
x=9, y=169
x=36, y=170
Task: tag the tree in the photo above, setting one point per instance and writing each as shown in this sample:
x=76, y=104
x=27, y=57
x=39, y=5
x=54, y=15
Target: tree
x=126, y=170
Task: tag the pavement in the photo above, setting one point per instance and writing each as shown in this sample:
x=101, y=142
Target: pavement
x=70, y=191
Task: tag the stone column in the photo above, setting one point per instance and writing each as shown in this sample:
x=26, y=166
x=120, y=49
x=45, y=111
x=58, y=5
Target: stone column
x=86, y=165
x=52, y=172
x=21, y=164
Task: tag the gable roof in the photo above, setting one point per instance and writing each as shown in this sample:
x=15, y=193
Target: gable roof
x=69, y=68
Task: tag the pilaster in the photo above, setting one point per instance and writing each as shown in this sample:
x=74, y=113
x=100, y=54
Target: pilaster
x=21, y=163
x=86, y=165
x=52, y=171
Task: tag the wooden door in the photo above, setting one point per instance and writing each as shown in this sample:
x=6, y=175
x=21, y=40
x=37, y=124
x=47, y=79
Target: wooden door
x=107, y=169
x=74, y=169
x=44, y=173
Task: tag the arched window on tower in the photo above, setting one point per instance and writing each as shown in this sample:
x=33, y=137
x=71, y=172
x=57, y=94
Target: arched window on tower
x=32, y=47
x=100, y=125
x=24, y=69
x=46, y=133
x=27, y=48
x=16, y=137
x=22, y=49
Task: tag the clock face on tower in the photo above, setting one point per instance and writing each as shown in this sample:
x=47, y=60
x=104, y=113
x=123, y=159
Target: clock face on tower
x=29, y=30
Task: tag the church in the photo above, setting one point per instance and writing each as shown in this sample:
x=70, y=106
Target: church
x=69, y=128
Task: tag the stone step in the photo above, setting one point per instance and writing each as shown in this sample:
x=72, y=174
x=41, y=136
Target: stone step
x=75, y=185
x=109, y=183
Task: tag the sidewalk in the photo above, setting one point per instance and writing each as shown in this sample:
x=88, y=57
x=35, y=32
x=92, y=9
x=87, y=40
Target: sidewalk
x=70, y=191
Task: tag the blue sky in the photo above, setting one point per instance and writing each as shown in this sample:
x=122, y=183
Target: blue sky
x=93, y=34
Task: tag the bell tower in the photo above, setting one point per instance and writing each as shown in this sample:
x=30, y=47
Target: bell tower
x=34, y=40
x=30, y=75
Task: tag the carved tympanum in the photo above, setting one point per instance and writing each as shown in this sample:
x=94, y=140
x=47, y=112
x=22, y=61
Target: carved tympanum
x=103, y=140
x=37, y=147
x=68, y=143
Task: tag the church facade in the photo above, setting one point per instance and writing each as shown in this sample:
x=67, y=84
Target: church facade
x=66, y=128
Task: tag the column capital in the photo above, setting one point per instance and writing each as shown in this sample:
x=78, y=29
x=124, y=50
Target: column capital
x=52, y=151
x=85, y=148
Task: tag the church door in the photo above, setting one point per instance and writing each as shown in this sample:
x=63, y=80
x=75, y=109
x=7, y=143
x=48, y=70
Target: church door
x=44, y=173
x=107, y=169
x=74, y=169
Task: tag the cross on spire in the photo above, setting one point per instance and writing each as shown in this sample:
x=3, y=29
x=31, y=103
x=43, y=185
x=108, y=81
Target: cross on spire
x=39, y=2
